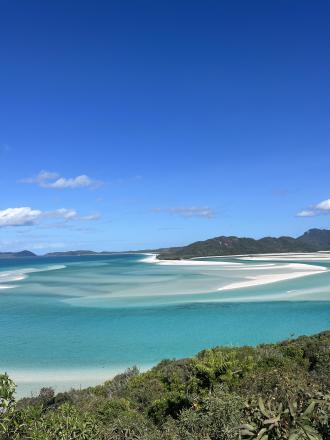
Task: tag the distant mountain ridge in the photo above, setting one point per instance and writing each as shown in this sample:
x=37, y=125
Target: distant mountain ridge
x=79, y=253
x=17, y=254
x=72, y=253
x=311, y=241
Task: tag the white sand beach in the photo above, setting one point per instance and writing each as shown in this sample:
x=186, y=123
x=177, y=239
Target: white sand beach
x=60, y=379
x=315, y=256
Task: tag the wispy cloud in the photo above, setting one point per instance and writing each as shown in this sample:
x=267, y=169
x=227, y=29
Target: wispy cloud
x=49, y=179
x=318, y=209
x=306, y=213
x=188, y=212
x=27, y=216
x=91, y=217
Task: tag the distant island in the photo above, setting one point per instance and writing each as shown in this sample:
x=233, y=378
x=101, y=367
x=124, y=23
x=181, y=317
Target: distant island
x=17, y=254
x=26, y=253
x=313, y=240
x=77, y=253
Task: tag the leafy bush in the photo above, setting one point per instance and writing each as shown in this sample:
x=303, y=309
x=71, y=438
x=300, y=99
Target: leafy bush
x=273, y=421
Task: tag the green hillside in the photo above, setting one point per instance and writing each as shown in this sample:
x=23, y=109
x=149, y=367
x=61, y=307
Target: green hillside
x=313, y=240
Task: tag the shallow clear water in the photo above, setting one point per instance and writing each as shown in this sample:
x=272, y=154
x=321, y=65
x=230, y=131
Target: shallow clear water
x=77, y=320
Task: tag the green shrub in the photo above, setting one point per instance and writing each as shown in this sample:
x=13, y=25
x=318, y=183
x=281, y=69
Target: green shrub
x=118, y=385
x=219, y=366
x=144, y=389
x=272, y=420
x=170, y=405
x=65, y=423
x=112, y=409
x=131, y=425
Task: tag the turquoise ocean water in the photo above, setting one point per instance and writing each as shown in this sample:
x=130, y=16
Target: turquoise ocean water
x=75, y=321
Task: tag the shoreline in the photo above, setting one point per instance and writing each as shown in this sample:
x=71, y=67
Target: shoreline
x=30, y=381
x=152, y=258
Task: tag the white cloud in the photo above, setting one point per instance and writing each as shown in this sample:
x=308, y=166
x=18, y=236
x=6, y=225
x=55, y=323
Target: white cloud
x=318, y=209
x=91, y=217
x=73, y=182
x=306, y=213
x=66, y=214
x=48, y=179
x=19, y=216
x=324, y=205
x=40, y=178
x=188, y=212
x=26, y=216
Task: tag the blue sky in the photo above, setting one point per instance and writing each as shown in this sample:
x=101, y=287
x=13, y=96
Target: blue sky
x=128, y=125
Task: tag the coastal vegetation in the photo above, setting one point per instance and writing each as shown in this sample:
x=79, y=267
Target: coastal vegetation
x=269, y=392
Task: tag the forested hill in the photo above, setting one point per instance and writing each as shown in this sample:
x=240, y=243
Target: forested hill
x=310, y=241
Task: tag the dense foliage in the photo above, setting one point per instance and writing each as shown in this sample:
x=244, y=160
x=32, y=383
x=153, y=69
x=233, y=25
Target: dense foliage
x=269, y=392
x=310, y=241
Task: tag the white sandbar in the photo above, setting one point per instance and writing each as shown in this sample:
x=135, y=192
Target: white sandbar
x=298, y=270
x=274, y=278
